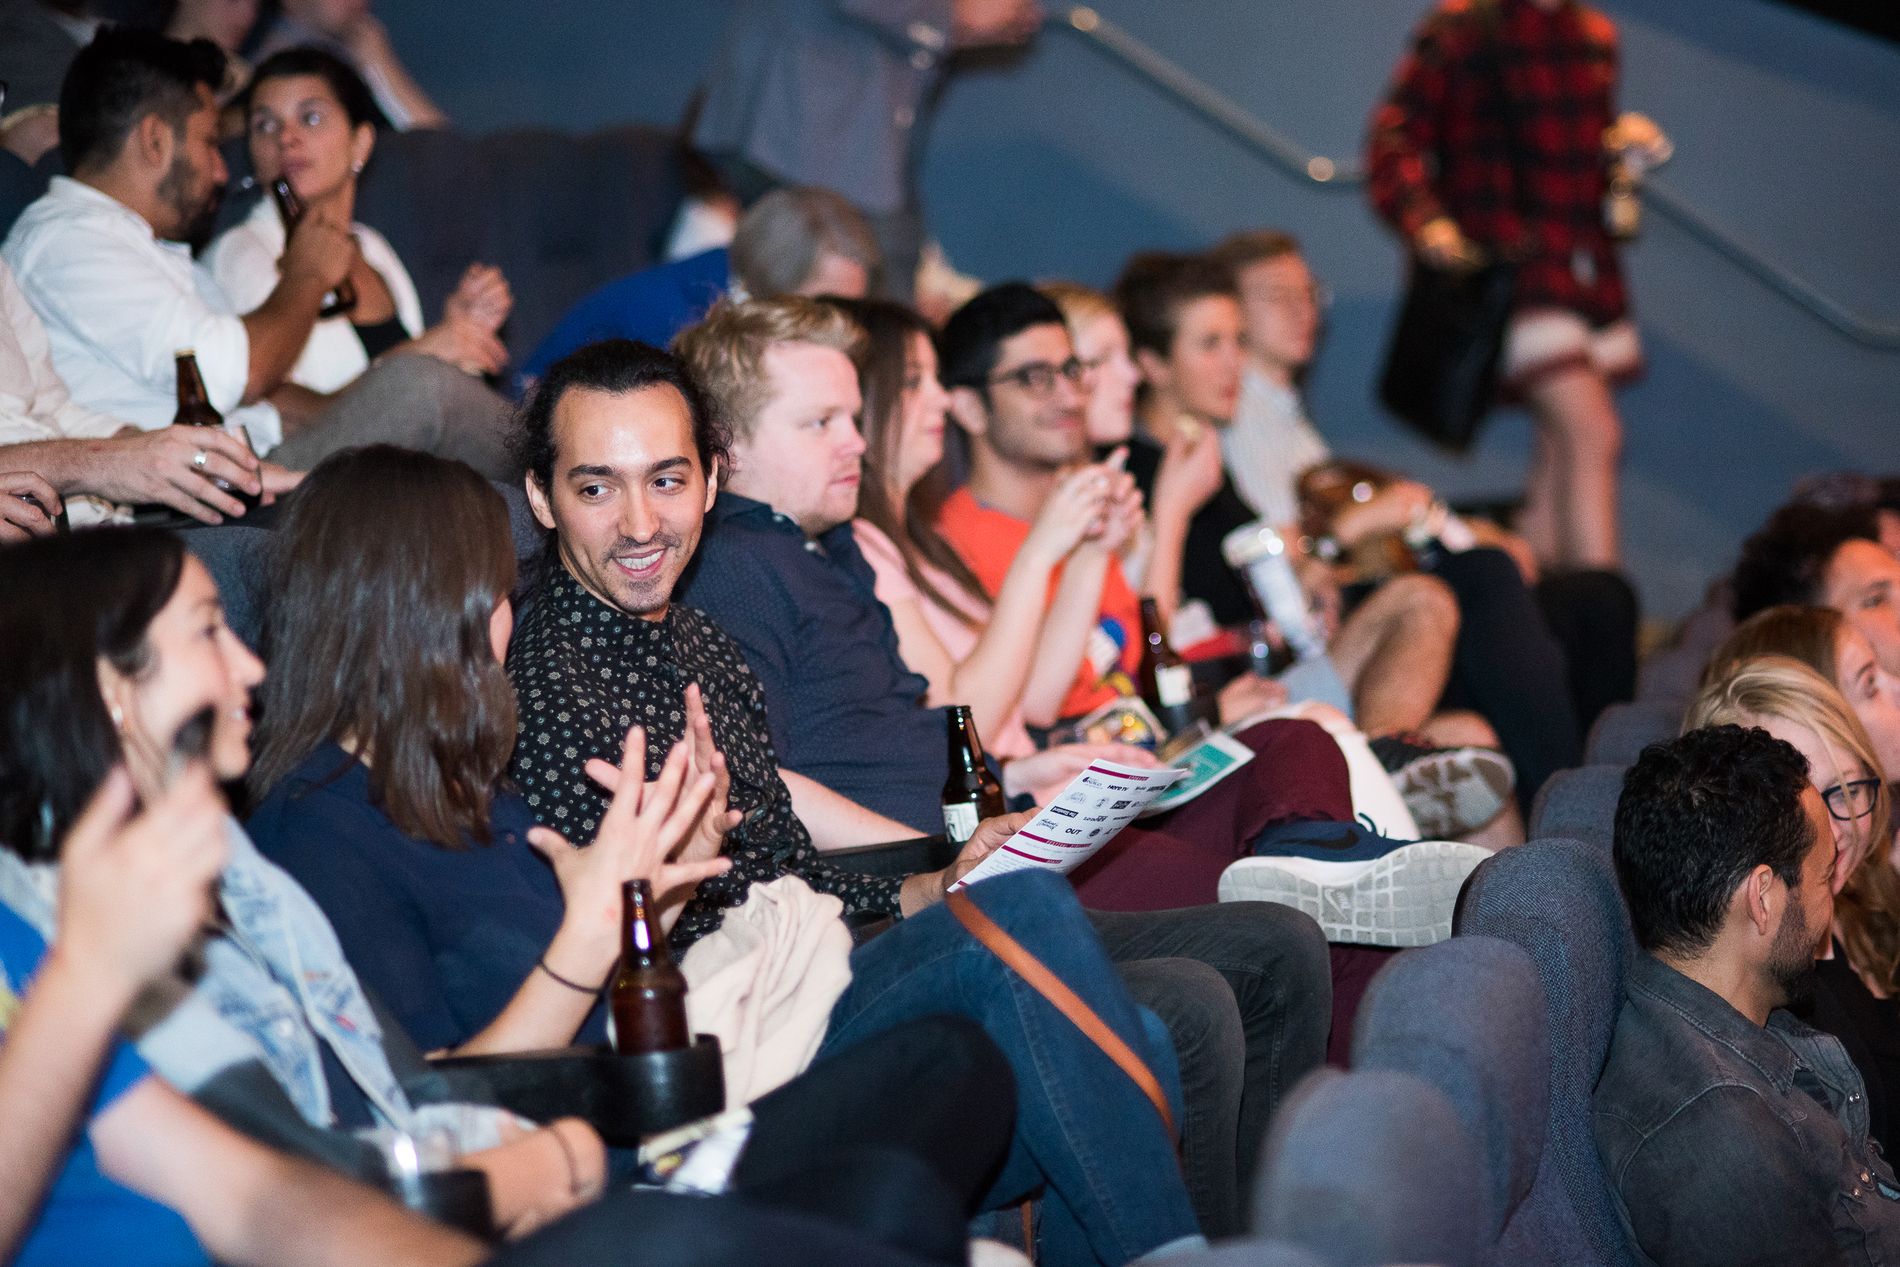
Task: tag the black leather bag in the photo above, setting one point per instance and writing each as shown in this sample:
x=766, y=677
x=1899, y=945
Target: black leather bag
x=1441, y=368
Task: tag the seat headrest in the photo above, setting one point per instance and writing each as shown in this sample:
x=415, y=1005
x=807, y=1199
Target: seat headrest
x=1369, y=1168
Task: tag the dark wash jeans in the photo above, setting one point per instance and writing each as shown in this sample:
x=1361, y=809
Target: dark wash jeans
x=1245, y=989
x=1082, y=1125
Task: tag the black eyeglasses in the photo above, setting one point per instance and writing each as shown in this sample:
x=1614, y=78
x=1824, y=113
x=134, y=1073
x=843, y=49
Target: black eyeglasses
x=1849, y=801
x=1038, y=378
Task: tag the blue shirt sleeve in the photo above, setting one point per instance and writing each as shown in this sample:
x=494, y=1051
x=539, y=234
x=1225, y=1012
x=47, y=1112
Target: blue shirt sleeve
x=87, y=1217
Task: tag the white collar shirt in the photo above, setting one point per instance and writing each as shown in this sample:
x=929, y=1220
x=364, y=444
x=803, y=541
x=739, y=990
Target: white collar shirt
x=243, y=260
x=119, y=305
x=1268, y=445
x=34, y=402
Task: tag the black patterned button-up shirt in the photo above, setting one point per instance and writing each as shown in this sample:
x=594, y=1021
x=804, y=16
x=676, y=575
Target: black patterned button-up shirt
x=584, y=672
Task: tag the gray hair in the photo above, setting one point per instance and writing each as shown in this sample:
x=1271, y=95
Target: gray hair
x=782, y=236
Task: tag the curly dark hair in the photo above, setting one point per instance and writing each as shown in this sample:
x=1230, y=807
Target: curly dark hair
x=1786, y=562
x=1697, y=814
x=618, y=367
x=1156, y=285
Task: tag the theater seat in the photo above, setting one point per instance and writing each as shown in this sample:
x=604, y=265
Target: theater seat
x=1372, y=1167
x=1579, y=804
x=1468, y=1017
x=1624, y=730
x=1558, y=901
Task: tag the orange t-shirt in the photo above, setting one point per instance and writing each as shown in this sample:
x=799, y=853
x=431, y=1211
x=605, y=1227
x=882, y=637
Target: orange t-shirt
x=987, y=540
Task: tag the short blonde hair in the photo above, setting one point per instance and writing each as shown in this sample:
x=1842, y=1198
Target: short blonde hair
x=1783, y=688
x=726, y=351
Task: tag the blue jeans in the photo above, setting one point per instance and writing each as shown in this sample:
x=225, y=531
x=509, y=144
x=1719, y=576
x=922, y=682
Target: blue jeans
x=1082, y=1125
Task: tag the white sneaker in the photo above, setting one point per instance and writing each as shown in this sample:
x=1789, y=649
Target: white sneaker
x=1403, y=898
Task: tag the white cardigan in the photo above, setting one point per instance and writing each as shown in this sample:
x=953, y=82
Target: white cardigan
x=244, y=261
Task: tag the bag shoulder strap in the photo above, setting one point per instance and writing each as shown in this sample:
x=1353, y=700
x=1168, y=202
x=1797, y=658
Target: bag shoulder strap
x=1066, y=1001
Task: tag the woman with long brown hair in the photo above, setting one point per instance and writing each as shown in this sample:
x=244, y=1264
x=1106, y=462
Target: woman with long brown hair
x=389, y=723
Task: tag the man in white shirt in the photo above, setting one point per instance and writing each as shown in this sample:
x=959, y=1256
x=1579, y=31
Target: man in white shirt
x=102, y=260
x=93, y=460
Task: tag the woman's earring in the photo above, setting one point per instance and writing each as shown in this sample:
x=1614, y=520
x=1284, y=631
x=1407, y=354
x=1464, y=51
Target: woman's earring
x=357, y=167
x=118, y=718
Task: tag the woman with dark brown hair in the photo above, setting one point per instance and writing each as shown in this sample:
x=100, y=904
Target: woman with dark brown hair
x=388, y=725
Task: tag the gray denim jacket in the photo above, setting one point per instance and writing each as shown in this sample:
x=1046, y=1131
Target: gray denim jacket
x=1730, y=1143
x=270, y=987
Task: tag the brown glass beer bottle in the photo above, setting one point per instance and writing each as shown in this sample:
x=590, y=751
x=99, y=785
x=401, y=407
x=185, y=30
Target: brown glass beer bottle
x=196, y=410
x=290, y=208
x=1165, y=681
x=649, y=994
x=971, y=793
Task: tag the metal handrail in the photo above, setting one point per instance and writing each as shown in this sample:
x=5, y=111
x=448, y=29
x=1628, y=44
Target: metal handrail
x=1315, y=169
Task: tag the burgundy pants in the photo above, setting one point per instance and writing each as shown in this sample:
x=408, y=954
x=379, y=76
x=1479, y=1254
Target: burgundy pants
x=1172, y=860
x=1298, y=775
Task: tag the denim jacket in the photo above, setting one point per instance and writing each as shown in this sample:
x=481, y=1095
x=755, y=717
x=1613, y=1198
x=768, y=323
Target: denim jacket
x=1727, y=1143
x=275, y=981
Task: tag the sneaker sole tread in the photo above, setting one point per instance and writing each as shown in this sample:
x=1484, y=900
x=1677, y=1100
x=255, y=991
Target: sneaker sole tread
x=1402, y=899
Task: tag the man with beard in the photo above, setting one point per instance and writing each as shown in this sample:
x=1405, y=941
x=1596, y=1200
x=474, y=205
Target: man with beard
x=1730, y=1131
x=103, y=259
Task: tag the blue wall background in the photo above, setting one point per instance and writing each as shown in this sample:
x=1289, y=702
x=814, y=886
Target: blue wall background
x=1058, y=162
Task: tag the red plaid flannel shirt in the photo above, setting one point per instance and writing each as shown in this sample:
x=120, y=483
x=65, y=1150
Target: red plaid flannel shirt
x=1438, y=144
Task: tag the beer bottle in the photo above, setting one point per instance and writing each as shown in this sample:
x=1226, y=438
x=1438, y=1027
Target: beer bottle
x=1164, y=679
x=971, y=793
x=290, y=209
x=649, y=994
x=196, y=410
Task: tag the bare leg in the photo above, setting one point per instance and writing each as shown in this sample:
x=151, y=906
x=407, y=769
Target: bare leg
x=1461, y=729
x=1578, y=424
x=1537, y=522
x=1394, y=653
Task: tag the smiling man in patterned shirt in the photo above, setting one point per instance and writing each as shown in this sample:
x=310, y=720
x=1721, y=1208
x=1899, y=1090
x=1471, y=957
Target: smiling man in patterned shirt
x=623, y=453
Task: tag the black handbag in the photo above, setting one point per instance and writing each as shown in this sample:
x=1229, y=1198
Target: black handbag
x=1441, y=366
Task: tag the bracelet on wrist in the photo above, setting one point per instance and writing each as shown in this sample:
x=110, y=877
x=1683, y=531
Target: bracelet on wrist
x=542, y=963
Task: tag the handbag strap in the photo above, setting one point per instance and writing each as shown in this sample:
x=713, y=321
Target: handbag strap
x=1066, y=1001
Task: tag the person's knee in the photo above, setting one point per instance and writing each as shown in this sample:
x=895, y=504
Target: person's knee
x=416, y=377
x=1460, y=728
x=1192, y=999
x=1426, y=604
x=1265, y=937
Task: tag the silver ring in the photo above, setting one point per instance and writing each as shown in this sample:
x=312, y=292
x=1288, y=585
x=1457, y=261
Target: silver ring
x=198, y=461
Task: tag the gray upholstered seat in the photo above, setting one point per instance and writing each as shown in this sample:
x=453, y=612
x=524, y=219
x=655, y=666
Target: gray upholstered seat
x=1468, y=1016
x=1558, y=900
x=1579, y=804
x=1622, y=731
x=1369, y=1168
